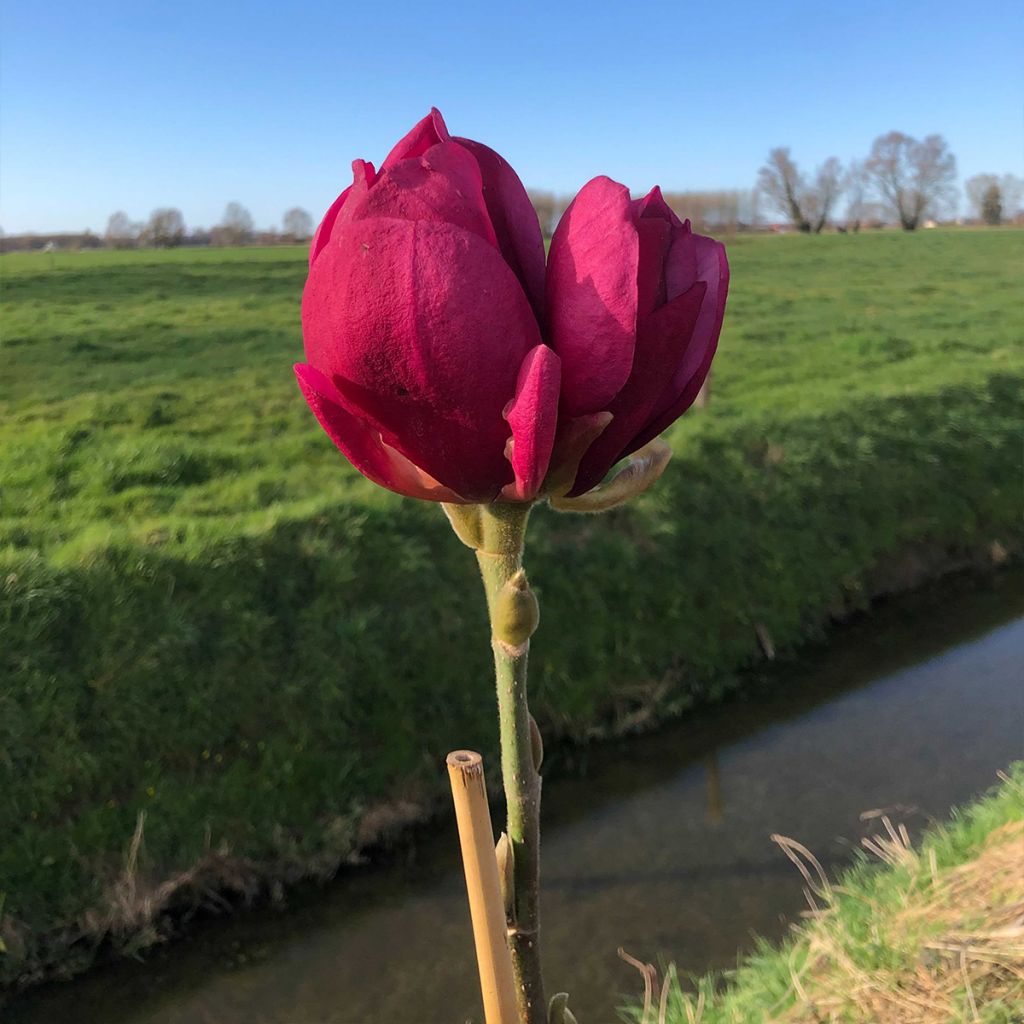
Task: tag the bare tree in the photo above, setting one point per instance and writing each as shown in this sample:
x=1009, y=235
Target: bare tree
x=914, y=178
x=807, y=206
x=717, y=210
x=235, y=226
x=166, y=228
x=1011, y=190
x=122, y=232
x=828, y=186
x=780, y=180
x=298, y=224
x=856, y=188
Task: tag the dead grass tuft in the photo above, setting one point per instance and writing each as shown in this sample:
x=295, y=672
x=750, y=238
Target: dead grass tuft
x=960, y=933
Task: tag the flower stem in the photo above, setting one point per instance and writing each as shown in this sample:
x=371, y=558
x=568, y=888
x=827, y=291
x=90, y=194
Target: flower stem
x=500, y=553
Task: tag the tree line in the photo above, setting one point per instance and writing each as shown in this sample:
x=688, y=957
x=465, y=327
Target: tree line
x=166, y=229
x=902, y=180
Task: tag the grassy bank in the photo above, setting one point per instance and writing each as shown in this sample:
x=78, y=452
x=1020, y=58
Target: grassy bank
x=208, y=620
x=930, y=934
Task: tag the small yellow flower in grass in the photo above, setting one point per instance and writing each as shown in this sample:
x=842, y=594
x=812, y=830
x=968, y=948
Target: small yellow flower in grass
x=150, y=791
x=206, y=755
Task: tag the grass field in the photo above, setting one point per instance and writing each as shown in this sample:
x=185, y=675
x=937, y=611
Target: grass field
x=912, y=935
x=149, y=395
x=206, y=615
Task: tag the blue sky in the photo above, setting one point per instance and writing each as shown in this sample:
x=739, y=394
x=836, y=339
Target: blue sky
x=114, y=105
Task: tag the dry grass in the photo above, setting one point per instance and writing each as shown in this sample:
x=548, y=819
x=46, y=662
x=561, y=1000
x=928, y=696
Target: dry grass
x=966, y=925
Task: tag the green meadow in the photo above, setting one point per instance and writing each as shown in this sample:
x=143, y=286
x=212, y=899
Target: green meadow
x=148, y=396
x=206, y=615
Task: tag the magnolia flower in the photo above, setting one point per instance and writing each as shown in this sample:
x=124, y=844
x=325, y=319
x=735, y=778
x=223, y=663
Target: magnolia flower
x=448, y=364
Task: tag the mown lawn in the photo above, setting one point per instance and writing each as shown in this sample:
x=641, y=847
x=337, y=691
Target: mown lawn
x=206, y=616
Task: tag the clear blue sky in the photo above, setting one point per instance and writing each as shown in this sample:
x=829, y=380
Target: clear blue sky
x=132, y=105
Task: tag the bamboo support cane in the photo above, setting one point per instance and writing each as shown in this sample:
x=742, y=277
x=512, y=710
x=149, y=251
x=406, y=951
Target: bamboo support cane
x=486, y=906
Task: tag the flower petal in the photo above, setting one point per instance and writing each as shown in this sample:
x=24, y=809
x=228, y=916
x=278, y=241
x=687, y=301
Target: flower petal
x=514, y=219
x=713, y=270
x=592, y=295
x=533, y=416
x=363, y=173
x=424, y=327
x=663, y=341
x=363, y=446
x=655, y=239
x=424, y=134
x=443, y=185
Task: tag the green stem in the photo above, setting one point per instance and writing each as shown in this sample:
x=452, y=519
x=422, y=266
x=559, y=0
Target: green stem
x=500, y=554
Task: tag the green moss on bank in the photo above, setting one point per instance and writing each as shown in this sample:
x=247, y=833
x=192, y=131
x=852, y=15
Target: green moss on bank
x=912, y=935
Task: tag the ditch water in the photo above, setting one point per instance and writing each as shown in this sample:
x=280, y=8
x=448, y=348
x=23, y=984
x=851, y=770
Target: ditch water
x=659, y=844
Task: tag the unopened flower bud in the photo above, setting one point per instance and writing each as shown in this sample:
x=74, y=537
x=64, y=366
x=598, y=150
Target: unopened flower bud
x=516, y=613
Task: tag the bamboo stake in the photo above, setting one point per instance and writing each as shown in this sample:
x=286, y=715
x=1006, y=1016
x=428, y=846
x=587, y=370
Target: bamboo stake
x=486, y=907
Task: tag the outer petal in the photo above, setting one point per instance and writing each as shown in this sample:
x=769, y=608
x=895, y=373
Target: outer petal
x=514, y=219
x=424, y=327
x=443, y=185
x=533, y=416
x=592, y=295
x=713, y=270
x=363, y=173
x=663, y=341
x=363, y=446
x=424, y=134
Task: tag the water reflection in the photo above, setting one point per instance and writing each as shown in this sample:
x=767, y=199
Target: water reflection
x=716, y=805
x=658, y=844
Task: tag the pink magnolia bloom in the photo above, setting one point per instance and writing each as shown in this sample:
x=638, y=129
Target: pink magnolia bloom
x=425, y=317
x=635, y=304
